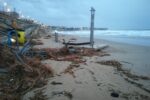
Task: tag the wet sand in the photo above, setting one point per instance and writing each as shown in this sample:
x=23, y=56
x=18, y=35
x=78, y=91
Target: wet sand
x=94, y=81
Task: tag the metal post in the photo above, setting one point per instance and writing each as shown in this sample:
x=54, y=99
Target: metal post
x=92, y=27
x=56, y=36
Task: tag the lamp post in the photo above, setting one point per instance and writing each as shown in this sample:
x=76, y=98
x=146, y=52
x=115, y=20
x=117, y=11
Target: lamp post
x=92, y=27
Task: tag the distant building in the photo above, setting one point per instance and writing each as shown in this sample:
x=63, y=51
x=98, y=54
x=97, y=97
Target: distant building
x=11, y=14
x=14, y=14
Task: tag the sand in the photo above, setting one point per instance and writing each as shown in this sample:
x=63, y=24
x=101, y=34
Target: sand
x=93, y=81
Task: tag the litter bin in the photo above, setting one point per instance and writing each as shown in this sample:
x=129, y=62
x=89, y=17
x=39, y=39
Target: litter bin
x=21, y=36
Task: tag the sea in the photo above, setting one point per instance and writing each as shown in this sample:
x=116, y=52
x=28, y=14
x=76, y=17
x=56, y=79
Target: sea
x=135, y=37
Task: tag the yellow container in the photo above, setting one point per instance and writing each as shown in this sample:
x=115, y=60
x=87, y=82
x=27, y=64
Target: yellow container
x=21, y=37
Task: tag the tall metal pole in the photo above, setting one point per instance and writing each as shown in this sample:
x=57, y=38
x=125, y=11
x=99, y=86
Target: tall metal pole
x=56, y=36
x=92, y=27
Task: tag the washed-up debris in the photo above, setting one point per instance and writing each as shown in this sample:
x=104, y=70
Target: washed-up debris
x=111, y=63
x=127, y=73
x=129, y=95
x=72, y=58
x=72, y=39
x=22, y=73
x=10, y=97
x=88, y=52
x=47, y=37
x=104, y=54
x=100, y=47
x=118, y=65
x=134, y=96
x=36, y=42
x=72, y=49
x=99, y=84
x=64, y=93
x=21, y=78
x=73, y=54
x=56, y=83
x=39, y=95
x=38, y=54
x=137, y=84
x=70, y=69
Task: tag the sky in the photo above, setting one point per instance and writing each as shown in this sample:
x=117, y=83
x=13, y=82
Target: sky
x=112, y=14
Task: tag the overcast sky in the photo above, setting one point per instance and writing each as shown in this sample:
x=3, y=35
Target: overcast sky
x=113, y=14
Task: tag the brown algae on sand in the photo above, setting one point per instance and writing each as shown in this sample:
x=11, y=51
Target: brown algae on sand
x=128, y=76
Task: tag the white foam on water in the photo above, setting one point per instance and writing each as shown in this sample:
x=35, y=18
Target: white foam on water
x=141, y=37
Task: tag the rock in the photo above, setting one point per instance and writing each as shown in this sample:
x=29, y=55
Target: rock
x=56, y=83
x=114, y=94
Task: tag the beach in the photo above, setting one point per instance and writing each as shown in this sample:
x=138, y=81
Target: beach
x=93, y=50
x=100, y=77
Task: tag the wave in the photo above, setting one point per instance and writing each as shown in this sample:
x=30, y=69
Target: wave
x=129, y=37
x=111, y=33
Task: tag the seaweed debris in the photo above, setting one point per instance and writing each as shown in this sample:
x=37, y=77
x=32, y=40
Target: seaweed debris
x=21, y=77
x=70, y=69
x=127, y=74
x=39, y=95
x=64, y=54
x=64, y=93
x=119, y=67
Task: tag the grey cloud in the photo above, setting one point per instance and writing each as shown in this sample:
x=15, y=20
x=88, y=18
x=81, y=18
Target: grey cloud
x=115, y=14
